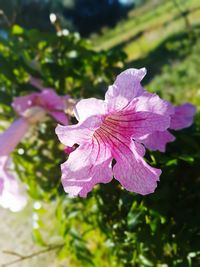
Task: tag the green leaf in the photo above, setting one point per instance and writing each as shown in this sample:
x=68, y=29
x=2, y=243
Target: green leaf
x=17, y=30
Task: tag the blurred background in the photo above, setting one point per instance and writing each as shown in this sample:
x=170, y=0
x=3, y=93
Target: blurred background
x=78, y=47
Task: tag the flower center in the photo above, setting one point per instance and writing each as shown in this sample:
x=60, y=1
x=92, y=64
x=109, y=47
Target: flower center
x=117, y=127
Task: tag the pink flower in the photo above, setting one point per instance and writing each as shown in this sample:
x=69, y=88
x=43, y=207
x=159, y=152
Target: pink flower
x=111, y=129
x=48, y=100
x=182, y=118
x=11, y=195
x=31, y=109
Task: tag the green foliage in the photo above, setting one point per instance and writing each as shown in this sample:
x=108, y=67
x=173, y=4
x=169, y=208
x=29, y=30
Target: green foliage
x=182, y=76
x=66, y=63
x=111, y=227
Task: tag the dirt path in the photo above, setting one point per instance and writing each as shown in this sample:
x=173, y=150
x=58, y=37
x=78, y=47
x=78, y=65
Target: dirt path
x=15, y=235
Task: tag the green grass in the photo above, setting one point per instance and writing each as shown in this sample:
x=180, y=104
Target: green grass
x=147, y=27
x=156, y=37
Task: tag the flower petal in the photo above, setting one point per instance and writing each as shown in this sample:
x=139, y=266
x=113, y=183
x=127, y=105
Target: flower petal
x=125, y=88
x=89, y=107
x=11, y=195
x=47, y=99
x=79, y=133
x=133, y=172
x=60, y=117
x=183, y=116
x=88, y=165
x=22, y=103
x=143, y=115
x=50, y=100
x=153, y=103
x=1, y=184
x=11, y=198
x=157, y=140
x=130, y=168
x=135, y=124
x=12, y=136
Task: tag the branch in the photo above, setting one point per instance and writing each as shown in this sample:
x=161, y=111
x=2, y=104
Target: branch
x=26, y=257
x=5, y=18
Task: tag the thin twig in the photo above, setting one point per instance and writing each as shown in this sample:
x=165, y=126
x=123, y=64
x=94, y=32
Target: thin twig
x=22, y=257
x=5, y=18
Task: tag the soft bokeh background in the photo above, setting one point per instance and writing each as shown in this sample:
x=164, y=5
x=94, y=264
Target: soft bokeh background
x=162, y=35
